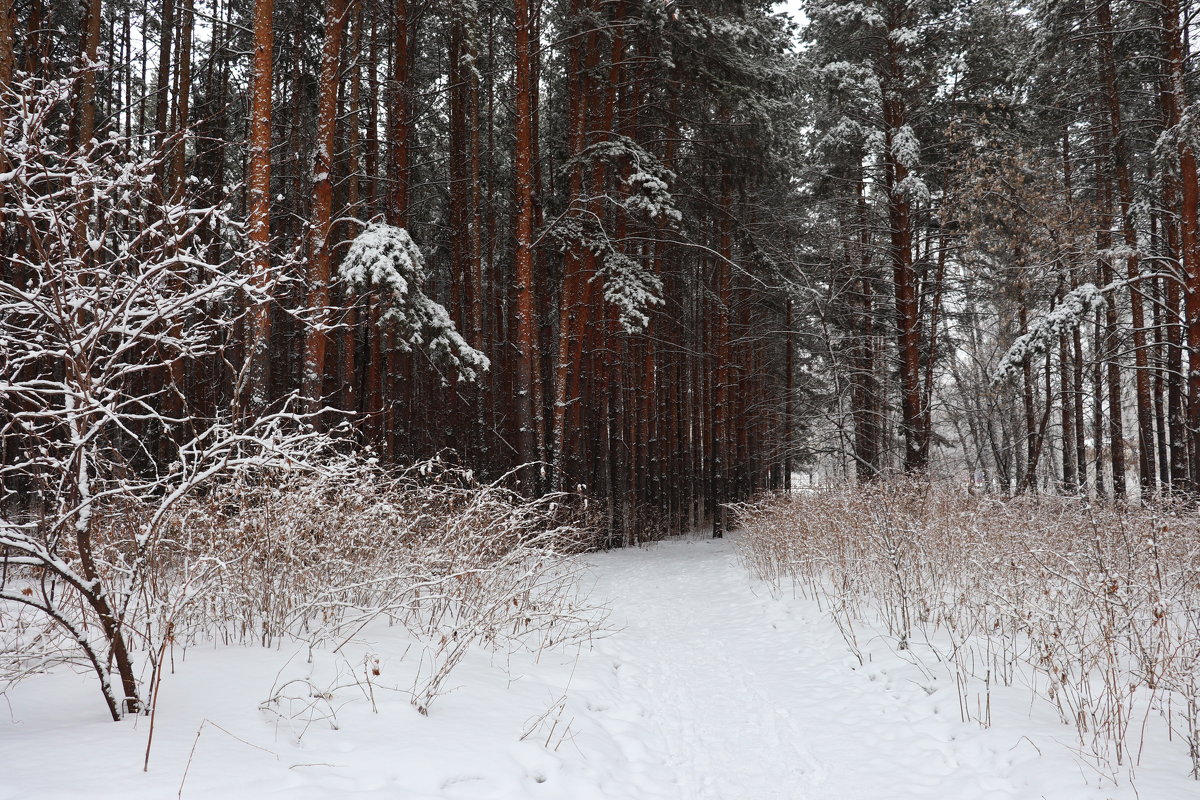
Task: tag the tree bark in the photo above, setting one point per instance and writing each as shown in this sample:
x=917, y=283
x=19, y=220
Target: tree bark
x=257, y=377
x=723, y=292
x=524, y=321
x=1116, y=133
x=7, y=65
x=316, y=340
x=908, y=334
x=162, y=93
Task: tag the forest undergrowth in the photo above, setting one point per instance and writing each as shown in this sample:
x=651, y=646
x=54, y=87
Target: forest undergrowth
x=1094, y=609
x=272, y=556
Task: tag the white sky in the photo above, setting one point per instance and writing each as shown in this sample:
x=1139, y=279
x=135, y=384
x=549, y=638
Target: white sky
x=791, y=7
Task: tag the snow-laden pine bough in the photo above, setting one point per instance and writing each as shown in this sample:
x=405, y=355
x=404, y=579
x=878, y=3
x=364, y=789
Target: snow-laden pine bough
x=628, y=285
x=1068, y=314
x=384, y=262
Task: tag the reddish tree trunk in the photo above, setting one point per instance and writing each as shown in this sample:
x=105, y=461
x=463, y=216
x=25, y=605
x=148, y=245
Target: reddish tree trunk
x=178, y=173
x=1116, y=133
x=162, y=94
x=524, y=321
x=256, y=379
x=316, y=340
x=904, y=276
x=722, y=351
x=6, y=76
x=348, y=362
x=1175, y=99
x=1109, y=343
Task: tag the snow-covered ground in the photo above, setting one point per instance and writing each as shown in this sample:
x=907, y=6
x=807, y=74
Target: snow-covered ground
x=709, y=689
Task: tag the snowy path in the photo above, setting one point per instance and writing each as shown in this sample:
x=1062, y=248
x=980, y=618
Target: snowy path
x=756, y=699
x=697, y=651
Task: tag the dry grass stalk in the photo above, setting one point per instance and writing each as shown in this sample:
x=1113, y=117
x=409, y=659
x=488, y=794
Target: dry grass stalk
x=1096, y=609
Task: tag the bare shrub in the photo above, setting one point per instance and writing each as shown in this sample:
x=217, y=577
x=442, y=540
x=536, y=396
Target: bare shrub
x=457, y=563
x=131, y=517
x=1095, y=609
x=316, y=555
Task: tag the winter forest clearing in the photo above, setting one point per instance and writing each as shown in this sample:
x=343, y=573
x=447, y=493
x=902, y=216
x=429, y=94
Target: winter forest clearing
x=368, y=369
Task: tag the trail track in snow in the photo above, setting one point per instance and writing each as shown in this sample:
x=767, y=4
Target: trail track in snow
x=698, y=652
x=752, y=697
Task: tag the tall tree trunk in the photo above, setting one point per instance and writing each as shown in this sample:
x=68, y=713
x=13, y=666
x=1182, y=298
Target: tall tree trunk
x=1074, y=469
x=934, y=316
x=348, y=362
x=723, y=292
x=1174, y=100
x=1028, y=480
x=1110, y=346
x=316, y=340
x=1159, y=371
x=1077, y=397
x=568, y=286
x=1120, y=151
x=524, y=314
x=7, y=65
x=85, y=115
x=1098, y=436
x=789, y=391
x=162, y=94
x=475, y=248
x=394, y=397
x=868, y=429
x=178, y=163
x=908, y=336
x=1070, y=472
x=172, y=176
x=256, y=379
x=399, y=117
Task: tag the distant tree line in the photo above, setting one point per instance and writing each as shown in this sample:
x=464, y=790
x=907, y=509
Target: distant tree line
x=661, y=254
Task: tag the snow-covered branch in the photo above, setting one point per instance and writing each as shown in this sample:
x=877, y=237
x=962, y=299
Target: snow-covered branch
x=384, y=259
x=1065, y=317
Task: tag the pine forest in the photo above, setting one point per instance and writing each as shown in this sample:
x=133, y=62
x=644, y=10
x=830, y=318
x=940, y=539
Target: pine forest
x=462, y=328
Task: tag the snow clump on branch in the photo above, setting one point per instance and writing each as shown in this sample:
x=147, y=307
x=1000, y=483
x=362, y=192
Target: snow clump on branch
x=1068, y=315
x=632, y=289
x=384, y=259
